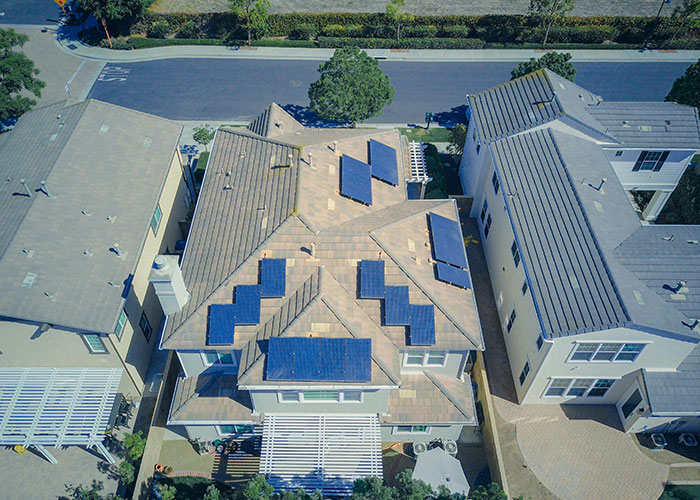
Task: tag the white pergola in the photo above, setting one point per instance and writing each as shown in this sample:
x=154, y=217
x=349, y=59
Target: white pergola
x=419, y=170
x=324, y=452
x=57, y=407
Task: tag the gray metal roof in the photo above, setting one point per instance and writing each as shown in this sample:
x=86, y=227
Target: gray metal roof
x=568, y=275
x=671, y=393
x=650, y=124
x=533, y=100
x=96, y=158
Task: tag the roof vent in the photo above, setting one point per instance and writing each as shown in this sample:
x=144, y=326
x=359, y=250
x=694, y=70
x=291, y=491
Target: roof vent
x=667, y=122
x=147, y=142
x=692, y=324
x=290, y=159
x=45, y=189
x=28, y=252
x=693, y=242
x=638, y=296
x=117, y=250
x=104, y=128
x=26, y=188
x=227, y=187
x=667, y=238
x=53, y=137
x=29, y=279
x=87, y=252
x=85, y=213
x=625, y=123
x=675, y=289
x=111, y=218
x=645, y=128
x=48, y=295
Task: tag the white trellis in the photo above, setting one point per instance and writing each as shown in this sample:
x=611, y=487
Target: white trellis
x=57, y=407
x=419, y=170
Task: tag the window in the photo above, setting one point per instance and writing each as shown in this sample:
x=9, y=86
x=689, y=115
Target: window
x=539, y=342
x=510, y=321
x=94, y=343
x=478, y=148
x=606, y=351
x=218, y=358
x=414, y=359
x=321, y=395
x=352, y=396
x=235, y=429
x=425, y=358
x=601, y=387
x=289, y=397
x=210, y=357
x=487, y=227
x=415, y=429
x=436, y=358
x=650, y=161
x=581, y=387
x=494, y=182
x=484, y=210
x=618, y=153
x=631, y=403
x=523, y=288
x=523, y=374
x=145, y=326
x=121, y=323
x=155, y=220
x=516, y=254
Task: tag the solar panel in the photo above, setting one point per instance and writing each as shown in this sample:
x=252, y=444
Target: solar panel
x=273, y=277
x=356, y=180
x=372, y=279
x=319, y=359
x=247, y=304
x=453, y=275
x=383, y=162
x=448, y=244
x=221, y=324
x=280, y=358
x=396, y=305
x=422, y=327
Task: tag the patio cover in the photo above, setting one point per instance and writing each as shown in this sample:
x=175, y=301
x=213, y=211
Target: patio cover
x=56, y=407
x=324, y=452
x=437, y=467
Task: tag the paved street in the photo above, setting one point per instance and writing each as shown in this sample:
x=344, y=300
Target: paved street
x=28, y=11
x=235, y=89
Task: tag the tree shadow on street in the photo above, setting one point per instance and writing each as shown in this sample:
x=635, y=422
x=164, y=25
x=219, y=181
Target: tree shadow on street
x=306, y=117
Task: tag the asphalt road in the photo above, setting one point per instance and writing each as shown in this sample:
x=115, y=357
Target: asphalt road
x=28, y=11
x=228, y=89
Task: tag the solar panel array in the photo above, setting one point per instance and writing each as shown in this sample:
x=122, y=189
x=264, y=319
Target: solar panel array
x=422, y=325
x=246, y=311
x=372, y=279
x=273, y=277
x=221, y=324
x=356, y=180
x=396, y=310
x=448, y=245
x=316, y=359
x=453, y=275
x=383, y=162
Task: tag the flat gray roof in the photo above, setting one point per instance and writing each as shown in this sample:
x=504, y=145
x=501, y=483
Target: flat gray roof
x=98, y=161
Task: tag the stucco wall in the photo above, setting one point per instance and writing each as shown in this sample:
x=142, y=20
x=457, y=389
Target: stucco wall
x=374, y=401
x=193, y=364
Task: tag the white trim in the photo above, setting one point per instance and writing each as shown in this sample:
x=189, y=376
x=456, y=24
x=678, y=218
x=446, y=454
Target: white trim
x=424, y=362
x=300, y=396
x=221, y=433
x=612, y=359
x=571, y=381
x=89, y=346
x=395, y=429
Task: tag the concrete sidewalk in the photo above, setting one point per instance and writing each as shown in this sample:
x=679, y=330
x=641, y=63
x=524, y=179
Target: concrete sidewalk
x=67, y=38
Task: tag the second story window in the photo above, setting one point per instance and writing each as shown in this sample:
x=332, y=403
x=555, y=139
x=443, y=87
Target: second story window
x=606, y=351
x=650, y=161
x=510, y=321
x=145, y=326
x=523, y=289
x=425, y=358
x=484, y=209
x=487, y=227
x=516, y=253
x=495, y=183
x=524, y=372
x=155, y=220
x=218, y=358
x=121, y=324
x=539, y=342
x=94, y=343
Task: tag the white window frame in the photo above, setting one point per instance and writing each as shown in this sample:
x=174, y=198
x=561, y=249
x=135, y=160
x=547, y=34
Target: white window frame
x=395, y=429
x=221, y=433
x=424, y=363
x=300, y=396
x=89, y=345
x=156, y=218
x=121, y=325
x=283, y=401
x=522, y=377
x=203, y=355
x=613, y=359
x=586, y=394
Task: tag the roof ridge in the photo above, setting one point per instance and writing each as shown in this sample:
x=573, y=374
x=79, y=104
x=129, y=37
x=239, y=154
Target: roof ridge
x=435, y=379
x=253, y=136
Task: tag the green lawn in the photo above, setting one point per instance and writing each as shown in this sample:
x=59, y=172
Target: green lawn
x=434, y=134
x=682, y=492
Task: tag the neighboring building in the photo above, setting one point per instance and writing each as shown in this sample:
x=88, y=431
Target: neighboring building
x=91, y=193
x=341, y=335
x=597, y=307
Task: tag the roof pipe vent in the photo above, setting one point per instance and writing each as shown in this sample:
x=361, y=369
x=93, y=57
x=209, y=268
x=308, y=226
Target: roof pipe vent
x=675, y=289
x=45, y=189
x=26, y=188
x=313, y=249
x=117, y=250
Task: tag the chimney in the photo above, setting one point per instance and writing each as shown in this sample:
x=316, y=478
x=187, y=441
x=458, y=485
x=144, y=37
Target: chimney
x=166, y=277
x=26, y=188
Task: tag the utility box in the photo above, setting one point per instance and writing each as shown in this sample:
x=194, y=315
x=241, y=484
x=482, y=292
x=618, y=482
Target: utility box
x=166, y=277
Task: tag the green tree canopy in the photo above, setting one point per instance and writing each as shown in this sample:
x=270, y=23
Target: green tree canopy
x=555, y=61
x=548, y=12
x=17, y=73
x=686, y=11
x=254, y=14
x=372, y=488
x=212, y=493
x=115, y=10
x=351, y=88
x=258, y=489
x=203, y=135
x=412, y=489
x=493, y=492
x=686, y=89
x=458, y=136
x=398, y=18
x=135, y=444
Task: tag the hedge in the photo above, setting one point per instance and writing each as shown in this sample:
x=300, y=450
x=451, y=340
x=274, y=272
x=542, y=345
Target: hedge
x=330, y=42
x=137, y=42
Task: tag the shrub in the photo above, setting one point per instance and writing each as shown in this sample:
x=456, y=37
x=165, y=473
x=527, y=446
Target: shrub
x=354, y=30
x=305, y=31
x=455, y=31
x=134, y=444
x=334, y=30
x=189, y=30
x=126, y=472
x=379, y=31
x=405, y=43
x=419, y=31
x=159, y=29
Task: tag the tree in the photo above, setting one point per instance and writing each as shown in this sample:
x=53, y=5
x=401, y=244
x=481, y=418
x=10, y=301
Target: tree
x=412, y=489
x=686, y=89
x=203, y=135
x=445, y=494
x=299, y=495
x=458, y=136
x=493, y=492
x=17, y=74
x=93, y=492
x=686, y=11
x=126, y=472
x=398, y=18
x=554, y=61
x=212, y=493
x=257, y=489
x=351, y=88
x=167, y=492
x=115, y=10
x=134, y=444
x=548, y=12
x=372, y=488
x=254, y=13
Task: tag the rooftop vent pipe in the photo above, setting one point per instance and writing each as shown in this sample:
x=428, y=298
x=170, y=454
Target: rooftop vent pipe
x=45, y=189
x=117, y=250
x=26, y=188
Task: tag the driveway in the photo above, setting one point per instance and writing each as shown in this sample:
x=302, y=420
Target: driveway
x=569, y=452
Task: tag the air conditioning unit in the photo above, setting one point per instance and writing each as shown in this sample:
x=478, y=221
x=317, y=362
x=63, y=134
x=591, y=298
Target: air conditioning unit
x=450, y=446
x=420, y=447
x=659, y=441
x=688, y=440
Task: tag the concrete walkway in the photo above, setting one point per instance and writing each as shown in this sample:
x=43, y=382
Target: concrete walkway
x=554, y=452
